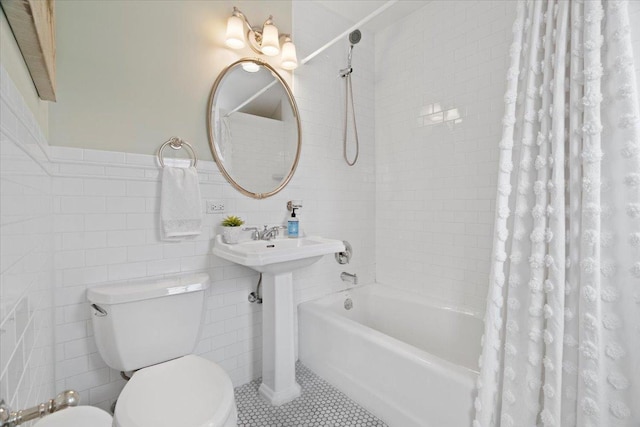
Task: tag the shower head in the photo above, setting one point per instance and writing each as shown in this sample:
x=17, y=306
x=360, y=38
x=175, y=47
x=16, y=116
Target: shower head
x=355, y=36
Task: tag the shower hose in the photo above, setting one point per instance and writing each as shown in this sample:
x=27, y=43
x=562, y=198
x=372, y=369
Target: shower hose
x=349, y=96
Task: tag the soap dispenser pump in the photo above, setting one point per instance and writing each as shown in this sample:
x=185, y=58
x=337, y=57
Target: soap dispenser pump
x=292, y=225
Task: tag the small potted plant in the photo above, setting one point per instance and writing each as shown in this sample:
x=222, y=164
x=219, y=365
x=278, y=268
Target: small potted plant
x=231, y=229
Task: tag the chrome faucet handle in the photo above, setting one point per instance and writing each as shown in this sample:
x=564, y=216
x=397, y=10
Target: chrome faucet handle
x=269, y=233
x=276, y=229
x=344, y=257
x=255, y=235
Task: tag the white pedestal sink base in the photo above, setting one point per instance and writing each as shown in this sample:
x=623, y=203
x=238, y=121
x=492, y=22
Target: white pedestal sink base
x=276, y=259
x=281, y=397
x=278, y=339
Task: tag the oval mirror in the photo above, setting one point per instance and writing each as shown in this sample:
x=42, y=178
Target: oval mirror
x=254, y=128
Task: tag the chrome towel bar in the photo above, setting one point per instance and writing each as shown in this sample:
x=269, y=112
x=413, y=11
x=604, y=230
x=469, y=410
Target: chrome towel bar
x=177, y=143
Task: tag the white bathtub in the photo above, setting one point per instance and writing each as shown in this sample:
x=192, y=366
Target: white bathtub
x=407, y=361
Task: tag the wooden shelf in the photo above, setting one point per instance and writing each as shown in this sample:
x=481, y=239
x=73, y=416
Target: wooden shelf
x=33, y=25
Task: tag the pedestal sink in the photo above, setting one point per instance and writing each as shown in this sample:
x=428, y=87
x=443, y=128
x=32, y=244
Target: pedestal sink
x=276, y=259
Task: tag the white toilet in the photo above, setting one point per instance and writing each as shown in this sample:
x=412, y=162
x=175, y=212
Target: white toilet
x=151, y=327
x=77, y=416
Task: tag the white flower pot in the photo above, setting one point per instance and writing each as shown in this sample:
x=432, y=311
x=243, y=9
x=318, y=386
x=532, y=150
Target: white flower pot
x=231, y=235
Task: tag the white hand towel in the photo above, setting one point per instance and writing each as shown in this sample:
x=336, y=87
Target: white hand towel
x=180, y=208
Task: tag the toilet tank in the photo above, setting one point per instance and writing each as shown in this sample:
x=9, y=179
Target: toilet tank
x=141, y=323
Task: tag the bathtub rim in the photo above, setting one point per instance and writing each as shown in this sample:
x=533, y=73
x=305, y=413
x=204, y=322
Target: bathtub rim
x=316, y=307
x=382, y=288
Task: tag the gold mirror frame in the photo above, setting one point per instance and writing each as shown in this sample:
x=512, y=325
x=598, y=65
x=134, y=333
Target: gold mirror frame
x=296, y=114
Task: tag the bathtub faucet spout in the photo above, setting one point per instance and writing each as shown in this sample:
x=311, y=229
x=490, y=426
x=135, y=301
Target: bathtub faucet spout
x=348, y=277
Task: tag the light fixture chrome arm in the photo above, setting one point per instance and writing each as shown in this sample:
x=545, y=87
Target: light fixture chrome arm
x=257, y=30
x=265, y=40
x=12, y=419
x=239, y=14
x=254, y=34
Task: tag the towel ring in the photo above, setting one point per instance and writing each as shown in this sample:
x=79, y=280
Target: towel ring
x=177, y=143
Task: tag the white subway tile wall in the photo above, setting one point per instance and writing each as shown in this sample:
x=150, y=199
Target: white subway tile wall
x=104, y=214
x=440, y=80
x=436, y=178
x=26, y=255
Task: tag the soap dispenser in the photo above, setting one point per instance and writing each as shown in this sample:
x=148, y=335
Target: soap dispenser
x=292, y=225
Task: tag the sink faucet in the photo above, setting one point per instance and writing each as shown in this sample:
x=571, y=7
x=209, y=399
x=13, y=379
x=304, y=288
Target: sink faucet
x=270, y=233
x=255, y=233
x=266, y=234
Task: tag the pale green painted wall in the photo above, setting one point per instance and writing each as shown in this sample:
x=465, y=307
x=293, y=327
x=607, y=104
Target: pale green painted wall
x=133, y=73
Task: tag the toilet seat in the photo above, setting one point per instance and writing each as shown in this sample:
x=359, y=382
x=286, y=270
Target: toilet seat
x=188, y=392
x=77, y=416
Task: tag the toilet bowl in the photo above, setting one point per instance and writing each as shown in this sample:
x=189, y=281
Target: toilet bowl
x=151, y=327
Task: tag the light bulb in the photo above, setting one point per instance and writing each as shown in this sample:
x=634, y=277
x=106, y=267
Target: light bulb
x=235, y=32
x=270, y=44
x=250, y=67
x=289, y=57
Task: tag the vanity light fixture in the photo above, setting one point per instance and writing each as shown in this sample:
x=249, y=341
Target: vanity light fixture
x=289, y=57
x=265, y=40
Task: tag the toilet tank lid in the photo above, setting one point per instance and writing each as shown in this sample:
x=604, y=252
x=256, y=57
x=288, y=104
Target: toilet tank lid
x=140, y=289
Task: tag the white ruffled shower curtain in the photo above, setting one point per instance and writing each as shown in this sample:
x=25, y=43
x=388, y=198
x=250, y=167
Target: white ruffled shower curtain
x=562, y=326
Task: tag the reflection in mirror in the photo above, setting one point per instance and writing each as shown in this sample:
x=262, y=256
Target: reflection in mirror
x=254, y=128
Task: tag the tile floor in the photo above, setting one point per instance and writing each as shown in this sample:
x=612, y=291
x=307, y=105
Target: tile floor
x=319, y=405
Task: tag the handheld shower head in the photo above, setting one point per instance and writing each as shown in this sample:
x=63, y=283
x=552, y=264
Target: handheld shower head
x=355, y=36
